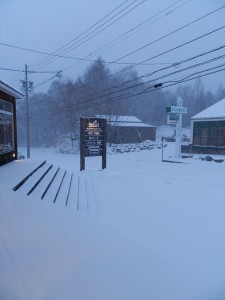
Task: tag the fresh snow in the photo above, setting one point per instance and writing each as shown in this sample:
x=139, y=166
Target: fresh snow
x=140, y=229
x=216, y=110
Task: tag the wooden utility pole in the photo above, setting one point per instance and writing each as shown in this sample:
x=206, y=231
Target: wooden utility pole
x=27, y=112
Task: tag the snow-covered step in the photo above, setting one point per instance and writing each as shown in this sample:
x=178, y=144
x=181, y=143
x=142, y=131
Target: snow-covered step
x=91, y=198
x=15, y=171
x=60, y=187
x=51, y=195
x=32, y=180
x=49, y=180
x=82, y=198
x=39, y=180
x=72, y=200
x=69, y=188
x=63, y=189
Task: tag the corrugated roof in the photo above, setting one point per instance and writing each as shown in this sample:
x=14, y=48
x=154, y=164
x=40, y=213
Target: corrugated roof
x=131, y=121
x=215, y=111
x=9, y=90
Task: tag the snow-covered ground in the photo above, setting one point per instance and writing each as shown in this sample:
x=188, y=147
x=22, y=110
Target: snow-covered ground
x=140, y=229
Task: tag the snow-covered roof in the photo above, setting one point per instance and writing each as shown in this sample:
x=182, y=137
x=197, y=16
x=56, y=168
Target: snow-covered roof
x=9, y=90
x=215, y=111
x=127, y=121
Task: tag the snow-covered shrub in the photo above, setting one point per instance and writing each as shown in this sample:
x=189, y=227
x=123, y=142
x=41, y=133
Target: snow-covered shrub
x=126, y=148
x=66, y=146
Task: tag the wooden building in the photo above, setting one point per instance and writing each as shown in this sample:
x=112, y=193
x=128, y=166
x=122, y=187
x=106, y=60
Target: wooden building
x=8, y=132
x=208, y=130
x=128, y=129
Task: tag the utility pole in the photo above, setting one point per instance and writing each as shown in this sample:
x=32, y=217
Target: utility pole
x=27, y=87
x=27, y=113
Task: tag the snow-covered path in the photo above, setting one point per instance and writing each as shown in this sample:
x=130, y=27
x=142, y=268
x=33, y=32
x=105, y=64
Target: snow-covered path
x=144, y=230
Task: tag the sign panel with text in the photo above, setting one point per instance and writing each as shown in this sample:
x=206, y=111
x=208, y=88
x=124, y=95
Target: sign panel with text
x=92, y=139
x=176, y=110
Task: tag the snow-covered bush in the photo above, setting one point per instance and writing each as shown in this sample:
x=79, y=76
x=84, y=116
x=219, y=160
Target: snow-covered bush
x=66, y=146
x=124, y=148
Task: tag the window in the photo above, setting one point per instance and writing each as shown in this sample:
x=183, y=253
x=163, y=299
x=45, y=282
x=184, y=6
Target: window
x=6, y=127
x=209, y=133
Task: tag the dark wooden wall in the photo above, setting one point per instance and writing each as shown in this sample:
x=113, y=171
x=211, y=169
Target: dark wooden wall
x=7, y=157
x=209, y=133
x=129, y=134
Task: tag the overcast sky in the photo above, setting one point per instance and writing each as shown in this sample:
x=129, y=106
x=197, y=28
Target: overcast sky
x=85, y=29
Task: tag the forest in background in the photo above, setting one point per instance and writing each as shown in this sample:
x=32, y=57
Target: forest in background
x=56, y=114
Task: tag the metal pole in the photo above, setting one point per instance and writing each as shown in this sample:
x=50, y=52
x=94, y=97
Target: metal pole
x=178, y=130
x=178, y=137
x=27, y=113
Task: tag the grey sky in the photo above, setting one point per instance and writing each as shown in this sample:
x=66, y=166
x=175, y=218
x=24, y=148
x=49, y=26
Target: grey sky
x=47, y=25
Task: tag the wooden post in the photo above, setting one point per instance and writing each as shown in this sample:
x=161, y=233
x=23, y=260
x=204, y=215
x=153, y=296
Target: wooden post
x=104, y=146
x=82, y=148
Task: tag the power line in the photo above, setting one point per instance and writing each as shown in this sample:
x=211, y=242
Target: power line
x=127, y=95
x=83, y=32
x=162, y=69
x=84, y=19
x=166, y=75
x=190, y=41
x=14, y=70
x=157, y=40
x=135, y=64
x=61, y=113
x=193, y=40
x=59, y=74
x=34, y=72
x=158, y=55
x=184, y=44
x=154, y=72
x=153, y=80
x=132, y=29
x=183, y=80
x=72, y=46
x=172, y=32
x=55, y=55
x=216, y=67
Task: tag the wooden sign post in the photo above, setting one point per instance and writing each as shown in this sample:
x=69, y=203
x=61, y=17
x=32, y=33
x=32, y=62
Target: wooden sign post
x=92, y=139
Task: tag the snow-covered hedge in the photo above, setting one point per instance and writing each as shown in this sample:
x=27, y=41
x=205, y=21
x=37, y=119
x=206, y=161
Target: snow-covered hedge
x=123, y=148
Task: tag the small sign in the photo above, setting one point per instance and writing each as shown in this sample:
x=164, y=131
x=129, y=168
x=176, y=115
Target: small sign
x=176, y=109
x=92, y=139
x=172, y=119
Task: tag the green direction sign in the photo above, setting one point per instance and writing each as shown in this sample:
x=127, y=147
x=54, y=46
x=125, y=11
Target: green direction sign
x=176, y=110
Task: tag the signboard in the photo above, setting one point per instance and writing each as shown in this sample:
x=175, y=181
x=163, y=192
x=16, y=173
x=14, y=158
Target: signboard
x=92, y=139
x=175, y=117
x=176, y=109
x=172, y=119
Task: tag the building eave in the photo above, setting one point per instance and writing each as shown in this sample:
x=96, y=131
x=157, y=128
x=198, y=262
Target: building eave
x=10, y=91
x=209, y=119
